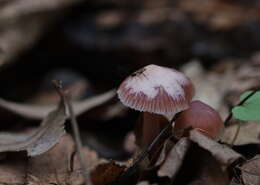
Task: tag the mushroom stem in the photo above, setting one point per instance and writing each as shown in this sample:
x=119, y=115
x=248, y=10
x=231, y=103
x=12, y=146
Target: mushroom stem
x=148, y=127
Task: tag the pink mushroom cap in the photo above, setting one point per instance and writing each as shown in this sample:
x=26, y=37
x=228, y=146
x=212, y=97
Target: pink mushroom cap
x=156, y=89
x=202, y=117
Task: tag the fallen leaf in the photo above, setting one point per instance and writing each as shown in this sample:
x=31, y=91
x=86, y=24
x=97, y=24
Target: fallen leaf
x=106, y=173
x=53, y=166
x=251, y=171
x=60, y=165
x=249, y=134
x=174, y=159
x=13, y=170
x=44, y=138
x=39, y=111
x=222, y=153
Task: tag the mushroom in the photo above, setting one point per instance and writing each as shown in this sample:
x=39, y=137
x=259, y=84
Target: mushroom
x=202, y=117
x=156, y=91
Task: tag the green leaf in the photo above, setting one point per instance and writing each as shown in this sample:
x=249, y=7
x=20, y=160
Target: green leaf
x=250, y=110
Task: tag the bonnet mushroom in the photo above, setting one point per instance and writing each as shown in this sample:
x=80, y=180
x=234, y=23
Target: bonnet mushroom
x=202, y=117
x=156, y=90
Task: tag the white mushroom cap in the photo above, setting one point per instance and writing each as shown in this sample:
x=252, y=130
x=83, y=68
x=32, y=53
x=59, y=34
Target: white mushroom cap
x=156, y=89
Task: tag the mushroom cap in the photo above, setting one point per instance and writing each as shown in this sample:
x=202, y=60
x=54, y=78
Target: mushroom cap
x=202, y=117
x=156, y=89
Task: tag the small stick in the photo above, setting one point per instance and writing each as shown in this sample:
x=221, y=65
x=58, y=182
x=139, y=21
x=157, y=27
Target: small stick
x=75, y=129
x=240, y=103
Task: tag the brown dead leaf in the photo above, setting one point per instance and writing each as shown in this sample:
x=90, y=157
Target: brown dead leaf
x=249, y=134
x=60, y=165
x=222, y=153
x=174, y=159
x=92, y=160
x=106, y=173
x=39, y=112
x=251, y=171
x=44, y=138
x=53, y=166
x=13, y=170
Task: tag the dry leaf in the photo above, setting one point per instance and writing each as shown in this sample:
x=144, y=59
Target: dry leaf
x=249, y=134
x=39, y=112
x=53, y=166
x=251, y=171
x=44, y=138
x=222, y=153
x=174, y=159
x=60, y=165
x=12, y=170
x=106, y=173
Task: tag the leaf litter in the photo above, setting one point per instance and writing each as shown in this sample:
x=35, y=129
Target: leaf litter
x=251, y=171
x=44, y=138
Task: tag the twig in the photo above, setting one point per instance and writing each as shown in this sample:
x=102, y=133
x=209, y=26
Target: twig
x=75, y=129
x=240, y=103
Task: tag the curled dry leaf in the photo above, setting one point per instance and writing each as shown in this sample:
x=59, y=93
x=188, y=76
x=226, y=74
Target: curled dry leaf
x=44, y=138
x=174, y=159
x=249, y=134
x=251, y=171
x=39, y=112
x=222, y=153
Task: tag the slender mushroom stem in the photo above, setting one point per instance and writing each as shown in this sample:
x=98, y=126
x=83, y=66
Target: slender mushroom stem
x=240, y=103
x=75, y=128
x=130, y=171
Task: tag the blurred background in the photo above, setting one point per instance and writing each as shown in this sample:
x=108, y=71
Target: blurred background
x=93, y=45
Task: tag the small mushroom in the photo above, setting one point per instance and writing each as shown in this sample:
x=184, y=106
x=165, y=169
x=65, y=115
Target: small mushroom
x=202, y=117
x=156, y=90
